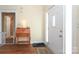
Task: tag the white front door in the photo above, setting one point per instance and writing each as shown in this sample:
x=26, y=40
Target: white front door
x=55, y=28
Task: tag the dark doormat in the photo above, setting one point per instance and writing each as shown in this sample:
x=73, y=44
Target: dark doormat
x=38, y=45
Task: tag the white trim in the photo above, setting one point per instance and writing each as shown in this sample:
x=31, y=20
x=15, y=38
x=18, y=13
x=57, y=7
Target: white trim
x=46, y=27
x=64, y=29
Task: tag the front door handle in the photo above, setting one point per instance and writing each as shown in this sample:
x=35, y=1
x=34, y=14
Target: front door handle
x=60, y=36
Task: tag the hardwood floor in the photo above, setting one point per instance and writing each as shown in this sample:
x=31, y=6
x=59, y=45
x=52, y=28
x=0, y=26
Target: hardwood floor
x=22, y=49
x=17, y=49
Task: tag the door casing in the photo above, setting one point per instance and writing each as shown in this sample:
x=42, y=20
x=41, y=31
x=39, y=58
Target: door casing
x=12, y=21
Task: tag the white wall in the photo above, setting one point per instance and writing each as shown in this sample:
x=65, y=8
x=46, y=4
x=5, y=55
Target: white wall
x=33, y=16
x=75, y=29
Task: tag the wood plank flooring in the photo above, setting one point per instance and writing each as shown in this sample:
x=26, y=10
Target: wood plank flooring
x=22, y=49
x=17, y=49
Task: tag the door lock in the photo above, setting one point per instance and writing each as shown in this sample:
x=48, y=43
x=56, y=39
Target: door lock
x=61, y=31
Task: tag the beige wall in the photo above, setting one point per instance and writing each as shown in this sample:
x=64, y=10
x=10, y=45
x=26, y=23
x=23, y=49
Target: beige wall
x=33, y=16
x=75, y=29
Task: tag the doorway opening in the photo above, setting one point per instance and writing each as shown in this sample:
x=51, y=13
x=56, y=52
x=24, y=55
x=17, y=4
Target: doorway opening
x=8, y=25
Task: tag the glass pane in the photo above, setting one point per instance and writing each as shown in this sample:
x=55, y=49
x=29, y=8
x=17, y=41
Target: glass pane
x=53, y=21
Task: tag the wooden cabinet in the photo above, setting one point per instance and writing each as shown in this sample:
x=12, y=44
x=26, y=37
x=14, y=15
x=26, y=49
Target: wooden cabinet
x=23, y=33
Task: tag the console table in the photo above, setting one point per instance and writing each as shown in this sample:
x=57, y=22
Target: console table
x=23, y=33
